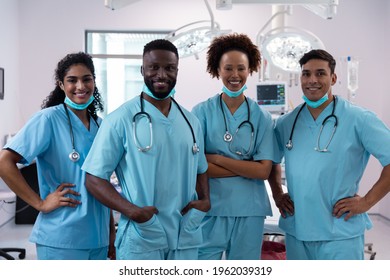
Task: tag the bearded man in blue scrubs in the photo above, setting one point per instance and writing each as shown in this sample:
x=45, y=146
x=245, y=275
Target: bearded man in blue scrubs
x=156, y=149
x=326, y=143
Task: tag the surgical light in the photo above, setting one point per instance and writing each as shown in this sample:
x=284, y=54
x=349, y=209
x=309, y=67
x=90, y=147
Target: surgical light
x=195, y=37
x=284, y=46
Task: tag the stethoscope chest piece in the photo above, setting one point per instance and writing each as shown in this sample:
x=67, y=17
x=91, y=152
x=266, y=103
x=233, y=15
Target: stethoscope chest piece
x=74, y=156
x=227, y=137
x=289, y=145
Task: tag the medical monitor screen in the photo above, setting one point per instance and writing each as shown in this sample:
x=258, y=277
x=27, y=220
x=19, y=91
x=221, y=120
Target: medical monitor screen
x=272, y=96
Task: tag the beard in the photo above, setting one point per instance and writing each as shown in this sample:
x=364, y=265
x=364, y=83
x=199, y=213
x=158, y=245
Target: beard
x=160, y=94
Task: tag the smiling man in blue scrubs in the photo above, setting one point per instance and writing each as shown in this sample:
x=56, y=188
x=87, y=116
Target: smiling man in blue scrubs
x=156, y=149
x=326, y=143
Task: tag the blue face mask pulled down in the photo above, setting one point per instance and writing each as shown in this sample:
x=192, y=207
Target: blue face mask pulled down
x=148, y=92
x=233, y=93
x=76, y=106
x=316, y=104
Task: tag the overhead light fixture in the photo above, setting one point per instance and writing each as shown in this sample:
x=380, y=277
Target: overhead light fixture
x=195, y=37
x=284, y=46
x=118, y=4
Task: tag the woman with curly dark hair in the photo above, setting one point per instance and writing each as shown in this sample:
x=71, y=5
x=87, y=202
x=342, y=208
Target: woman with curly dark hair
x=71, y=224
x=238, y=139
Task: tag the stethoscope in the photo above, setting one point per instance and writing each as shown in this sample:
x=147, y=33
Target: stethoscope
x=289, y=144
x=228, y=137
x=195, y=148
x=74, y=155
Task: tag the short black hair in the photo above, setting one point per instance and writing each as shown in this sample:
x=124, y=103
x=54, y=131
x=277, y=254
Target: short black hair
x=319, y=54
x=160, y=44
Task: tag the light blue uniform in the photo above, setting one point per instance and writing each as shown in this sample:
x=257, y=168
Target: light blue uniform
x=164, y=177
x=316, y=181
x=236, y=197
x=46, y=138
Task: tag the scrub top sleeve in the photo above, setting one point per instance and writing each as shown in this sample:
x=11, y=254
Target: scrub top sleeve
x=264, y=146
x=198, y=112
x=375, y=138
x=202, y=162
x=33, y=139
x=106, y=152
x=278, y=142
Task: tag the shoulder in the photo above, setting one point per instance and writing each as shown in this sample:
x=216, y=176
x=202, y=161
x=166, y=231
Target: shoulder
x=207, y=104
x=348, y=109
x=48, y=113
x=124, y=111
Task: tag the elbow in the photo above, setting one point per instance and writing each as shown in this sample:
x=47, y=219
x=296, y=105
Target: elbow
x=265, y=171
x=89, y=183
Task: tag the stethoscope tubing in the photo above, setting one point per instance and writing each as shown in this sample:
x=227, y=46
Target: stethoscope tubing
x=195, y=148
x=289, y=144
x=228, y=137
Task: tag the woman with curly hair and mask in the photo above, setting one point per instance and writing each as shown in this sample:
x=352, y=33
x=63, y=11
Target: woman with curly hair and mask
x=238, y=138
x=72, y=224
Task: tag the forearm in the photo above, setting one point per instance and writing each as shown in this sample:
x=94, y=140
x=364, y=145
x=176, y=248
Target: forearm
x=216, y=171
x=248, y=169
x=14, y=179
x=202, y=186
x=106, y=193
x=275, y=180
x=380, y=189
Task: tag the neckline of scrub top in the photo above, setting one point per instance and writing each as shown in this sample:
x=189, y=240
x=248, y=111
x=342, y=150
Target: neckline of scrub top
x=76, y=122
x=317, y=122
x=241, y=111
x=155, y=112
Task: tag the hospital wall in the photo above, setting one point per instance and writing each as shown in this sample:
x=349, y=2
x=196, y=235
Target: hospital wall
x=35, y=34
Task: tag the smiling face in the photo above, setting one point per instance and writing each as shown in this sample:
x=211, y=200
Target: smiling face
x=234, y=69
x=160, y=68
x=78, y=84
x=317, y=79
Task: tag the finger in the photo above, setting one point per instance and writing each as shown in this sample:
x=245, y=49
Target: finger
x=70, y=202
x=349, y=215
x=65, y=185
x=69, y=191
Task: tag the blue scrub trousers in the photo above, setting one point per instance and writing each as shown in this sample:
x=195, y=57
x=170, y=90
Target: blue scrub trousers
x=184, y=254
x=53, y=253
x=345, y=249
x=239, y=237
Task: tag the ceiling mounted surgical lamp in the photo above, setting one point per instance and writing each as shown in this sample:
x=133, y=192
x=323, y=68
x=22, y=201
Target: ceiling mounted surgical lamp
x=195, y=37
x=283, y=46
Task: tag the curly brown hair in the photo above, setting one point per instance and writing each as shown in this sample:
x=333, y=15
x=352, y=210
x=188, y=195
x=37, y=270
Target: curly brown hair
x=232, y=42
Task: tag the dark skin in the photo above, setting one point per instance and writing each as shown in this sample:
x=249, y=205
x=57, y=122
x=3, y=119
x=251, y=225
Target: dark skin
x=282, y=200
x=160, y=68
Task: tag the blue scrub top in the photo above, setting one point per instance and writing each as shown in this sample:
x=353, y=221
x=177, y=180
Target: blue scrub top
x=46, y=138
x=164, y=177
x=316, y=181
x=237, y=196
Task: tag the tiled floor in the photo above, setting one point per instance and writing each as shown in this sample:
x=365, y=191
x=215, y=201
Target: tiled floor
x=12, y=235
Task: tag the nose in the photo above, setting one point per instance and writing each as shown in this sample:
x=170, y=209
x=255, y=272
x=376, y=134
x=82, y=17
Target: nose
x=80, y=84
x=161, y=73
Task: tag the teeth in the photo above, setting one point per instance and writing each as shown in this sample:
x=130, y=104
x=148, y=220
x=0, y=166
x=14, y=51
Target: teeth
x=234, y=83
